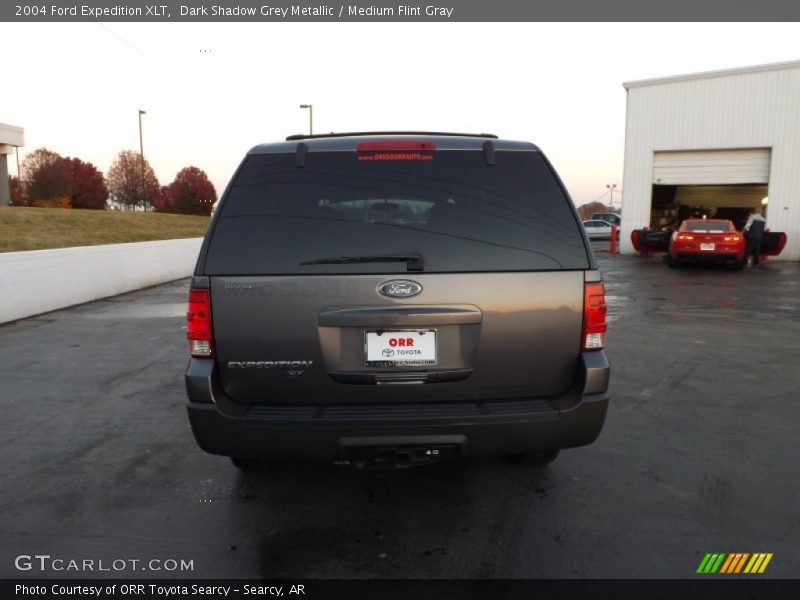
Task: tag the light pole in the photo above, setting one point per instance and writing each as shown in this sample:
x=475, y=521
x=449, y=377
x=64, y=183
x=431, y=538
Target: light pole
x=611, y=187
x=310, y=108
x=141, y=158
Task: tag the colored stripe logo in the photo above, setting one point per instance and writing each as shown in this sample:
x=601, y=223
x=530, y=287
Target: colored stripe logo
x=734, y=563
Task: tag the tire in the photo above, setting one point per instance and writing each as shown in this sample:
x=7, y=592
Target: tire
x=739, y=264
x=535, y=459
x=671, y=262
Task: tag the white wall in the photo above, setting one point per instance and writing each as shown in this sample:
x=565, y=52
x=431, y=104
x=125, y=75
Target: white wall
x=11, y=135
x=39, y=281
x=746, y=108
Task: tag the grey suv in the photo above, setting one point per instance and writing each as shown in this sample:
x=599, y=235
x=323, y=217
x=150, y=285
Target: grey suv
x=393, y=299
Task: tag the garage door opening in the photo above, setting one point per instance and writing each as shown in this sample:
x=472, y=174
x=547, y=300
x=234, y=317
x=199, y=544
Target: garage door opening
x=721, y=184
x=671, y=204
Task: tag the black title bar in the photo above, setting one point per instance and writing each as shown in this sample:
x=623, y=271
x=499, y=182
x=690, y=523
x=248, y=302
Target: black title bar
x=408, y=11
x=698, y=588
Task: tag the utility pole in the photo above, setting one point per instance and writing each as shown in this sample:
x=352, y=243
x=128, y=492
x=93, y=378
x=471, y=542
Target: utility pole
x=611, y=187
x=310, y=108
x=19, y=174
x=141, y=159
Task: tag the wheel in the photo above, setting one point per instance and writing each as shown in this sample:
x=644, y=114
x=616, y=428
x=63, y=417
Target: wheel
x=671, y=262
x=245, y=464
x=739, y=264
x=535, y=459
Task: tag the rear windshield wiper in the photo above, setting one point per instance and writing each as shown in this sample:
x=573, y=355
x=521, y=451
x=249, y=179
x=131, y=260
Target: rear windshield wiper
x=414, y=262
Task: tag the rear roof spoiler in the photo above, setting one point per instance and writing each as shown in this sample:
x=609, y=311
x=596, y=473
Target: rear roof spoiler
x=297, y=137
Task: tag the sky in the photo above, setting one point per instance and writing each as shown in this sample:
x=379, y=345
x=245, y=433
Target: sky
x=213, y=90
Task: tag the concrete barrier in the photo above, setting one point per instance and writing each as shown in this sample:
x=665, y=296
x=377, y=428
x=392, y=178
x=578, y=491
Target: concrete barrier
x=39, y=281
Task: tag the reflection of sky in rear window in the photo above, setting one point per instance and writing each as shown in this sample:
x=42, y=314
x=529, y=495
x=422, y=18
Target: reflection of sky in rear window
x=708, y=226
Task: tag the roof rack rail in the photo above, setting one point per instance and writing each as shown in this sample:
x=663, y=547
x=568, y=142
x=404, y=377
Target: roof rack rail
x=300, y=136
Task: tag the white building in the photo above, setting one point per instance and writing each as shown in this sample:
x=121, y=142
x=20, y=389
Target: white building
x=11, y=137
x=716, y=143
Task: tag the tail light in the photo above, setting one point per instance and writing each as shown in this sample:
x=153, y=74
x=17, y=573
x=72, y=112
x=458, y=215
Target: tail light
x=198, y=324
x=683, y=236
x=732, y=238
x=594, y=317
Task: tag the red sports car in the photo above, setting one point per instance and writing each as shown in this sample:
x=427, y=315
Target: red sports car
x=712, y=240
x=703, y=240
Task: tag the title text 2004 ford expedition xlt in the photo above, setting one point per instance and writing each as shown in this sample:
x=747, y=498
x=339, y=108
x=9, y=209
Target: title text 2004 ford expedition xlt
x=393, y=299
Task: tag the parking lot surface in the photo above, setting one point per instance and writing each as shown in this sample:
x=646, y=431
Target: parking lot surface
x=699, y=453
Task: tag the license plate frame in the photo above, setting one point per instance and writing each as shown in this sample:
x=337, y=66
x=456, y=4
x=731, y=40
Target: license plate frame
x=708, y=247
x=386, y=355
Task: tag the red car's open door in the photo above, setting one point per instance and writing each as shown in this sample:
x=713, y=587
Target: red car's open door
x=773, y=243
x=646, y=240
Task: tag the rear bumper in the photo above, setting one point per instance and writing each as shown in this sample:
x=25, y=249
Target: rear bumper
x=469, y=428
x=723, y=252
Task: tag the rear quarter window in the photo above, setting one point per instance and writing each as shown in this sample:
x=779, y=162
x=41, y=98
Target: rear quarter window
x=459, y=213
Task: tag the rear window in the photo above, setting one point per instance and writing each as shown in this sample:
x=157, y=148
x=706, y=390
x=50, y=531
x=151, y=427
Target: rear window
x=708, y=226
x=457, y=212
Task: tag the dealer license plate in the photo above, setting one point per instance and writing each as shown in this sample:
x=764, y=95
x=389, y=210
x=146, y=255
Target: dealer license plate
x=401, y=348
x=707, y=247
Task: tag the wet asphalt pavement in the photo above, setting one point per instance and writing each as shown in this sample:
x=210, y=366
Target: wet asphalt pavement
x=699, y=453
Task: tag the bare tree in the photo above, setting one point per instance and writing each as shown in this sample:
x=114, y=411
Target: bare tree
x=132, y=181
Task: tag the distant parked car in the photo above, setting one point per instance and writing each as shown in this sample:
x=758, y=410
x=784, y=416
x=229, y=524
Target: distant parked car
x=612, y=218
x=598, y=230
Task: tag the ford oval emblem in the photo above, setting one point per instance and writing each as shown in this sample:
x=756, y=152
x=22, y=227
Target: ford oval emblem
x=399, y=288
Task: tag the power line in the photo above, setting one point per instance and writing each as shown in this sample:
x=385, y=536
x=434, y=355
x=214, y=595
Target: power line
x=182, y=79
